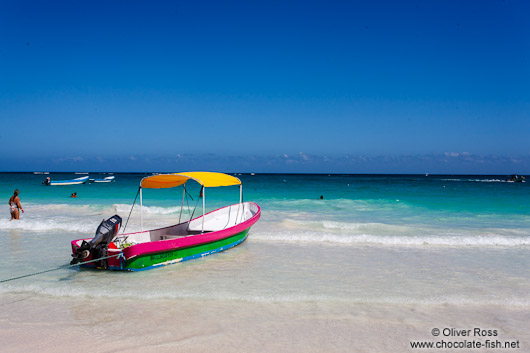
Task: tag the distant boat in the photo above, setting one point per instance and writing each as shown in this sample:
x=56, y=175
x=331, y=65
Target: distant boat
x=252, y=173
x=108, y=179
x=515, y=179
x=76, y=181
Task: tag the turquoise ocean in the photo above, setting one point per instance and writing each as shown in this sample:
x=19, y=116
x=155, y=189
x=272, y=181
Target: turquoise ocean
x=389, y=243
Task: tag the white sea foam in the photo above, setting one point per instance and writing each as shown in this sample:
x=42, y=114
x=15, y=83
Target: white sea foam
x=125, y=209
x=102, y=292
x=292, y=227
x=74, y=210
x=355, y=233
x=488, y=180
x=49, y=224
x=58, y=217
x=477, y=180
x=384, y=228
x=58, y=208
x=368, y=239
x=85, y=218
x=316, y=205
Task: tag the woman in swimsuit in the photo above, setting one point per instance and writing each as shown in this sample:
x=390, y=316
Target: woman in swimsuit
x=14, y=206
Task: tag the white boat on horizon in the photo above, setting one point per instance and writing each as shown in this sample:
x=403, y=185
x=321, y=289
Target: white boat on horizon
x=108, y=179
x=75, y=181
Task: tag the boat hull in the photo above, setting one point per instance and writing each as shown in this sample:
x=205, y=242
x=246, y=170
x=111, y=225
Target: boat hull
x=164, y=258
x=153, y=254
x=77, y=181
x=104, y=180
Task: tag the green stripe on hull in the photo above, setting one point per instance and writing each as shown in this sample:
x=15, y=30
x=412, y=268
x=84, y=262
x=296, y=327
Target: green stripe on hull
x=173, y=256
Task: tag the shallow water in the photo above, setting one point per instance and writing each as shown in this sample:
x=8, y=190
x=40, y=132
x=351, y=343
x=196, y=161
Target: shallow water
x=382, y=243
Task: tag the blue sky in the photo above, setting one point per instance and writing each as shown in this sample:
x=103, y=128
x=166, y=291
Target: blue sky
x=309, y=86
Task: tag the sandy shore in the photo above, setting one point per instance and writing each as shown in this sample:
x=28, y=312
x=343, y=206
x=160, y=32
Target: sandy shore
x=65, y=324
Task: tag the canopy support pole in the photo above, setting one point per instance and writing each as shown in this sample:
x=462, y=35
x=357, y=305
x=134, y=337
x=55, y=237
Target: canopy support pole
x=203, y=206
x=240, y=202
x=183, y=195
x=141, y=211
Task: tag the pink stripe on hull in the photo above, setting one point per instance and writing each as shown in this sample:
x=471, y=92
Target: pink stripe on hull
x=189, y=241
x=184, y=242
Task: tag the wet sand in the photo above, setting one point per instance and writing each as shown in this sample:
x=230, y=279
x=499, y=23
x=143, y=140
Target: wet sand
x=31, y=322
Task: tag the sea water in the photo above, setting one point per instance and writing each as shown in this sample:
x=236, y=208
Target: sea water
x=331, y=255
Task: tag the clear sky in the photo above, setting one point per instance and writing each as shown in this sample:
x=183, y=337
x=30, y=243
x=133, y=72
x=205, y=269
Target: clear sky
x=269, y=86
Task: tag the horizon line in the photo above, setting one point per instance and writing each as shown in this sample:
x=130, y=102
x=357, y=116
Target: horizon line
x=258, y=173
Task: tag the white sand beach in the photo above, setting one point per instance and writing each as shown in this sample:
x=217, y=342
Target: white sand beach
x=30, y=322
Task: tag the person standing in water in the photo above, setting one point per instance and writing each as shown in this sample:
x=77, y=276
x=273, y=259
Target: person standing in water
x=14, y=206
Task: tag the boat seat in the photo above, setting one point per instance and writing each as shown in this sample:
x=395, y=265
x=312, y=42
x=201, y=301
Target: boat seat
x=194, y=232
x=171, y=236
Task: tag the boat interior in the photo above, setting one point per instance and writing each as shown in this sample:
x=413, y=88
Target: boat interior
x=217, y=220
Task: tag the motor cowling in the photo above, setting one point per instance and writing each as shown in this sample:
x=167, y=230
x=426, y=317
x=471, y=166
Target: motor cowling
x=98, y=246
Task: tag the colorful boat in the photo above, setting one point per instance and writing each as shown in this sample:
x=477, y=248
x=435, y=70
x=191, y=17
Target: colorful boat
x=210, y=233
x=75, y=181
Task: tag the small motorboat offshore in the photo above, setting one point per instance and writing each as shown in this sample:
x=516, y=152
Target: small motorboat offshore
x=108, y=179
x=75, y=181
x=515, y=178
x=210, y=233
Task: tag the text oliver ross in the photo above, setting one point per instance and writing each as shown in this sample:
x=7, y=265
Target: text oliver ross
x=476, y=332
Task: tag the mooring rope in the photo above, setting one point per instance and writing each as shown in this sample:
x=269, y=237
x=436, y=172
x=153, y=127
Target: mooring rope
x=58, y=268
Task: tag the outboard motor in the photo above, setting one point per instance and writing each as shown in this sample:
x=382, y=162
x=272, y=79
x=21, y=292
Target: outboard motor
x=98, y=246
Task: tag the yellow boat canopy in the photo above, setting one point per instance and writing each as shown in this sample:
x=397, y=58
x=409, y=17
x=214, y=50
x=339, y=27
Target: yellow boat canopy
x=206, y=179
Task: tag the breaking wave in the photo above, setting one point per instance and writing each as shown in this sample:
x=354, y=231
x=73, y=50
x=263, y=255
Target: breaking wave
x=125, y=209
x=295, y=227
x=102, y=292
x=344, y=233
x=50, y=224
x=478, y=180
x=86, y=218
x=369, y=239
